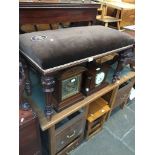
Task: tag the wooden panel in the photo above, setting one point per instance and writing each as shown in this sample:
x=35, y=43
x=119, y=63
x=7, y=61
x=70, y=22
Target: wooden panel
x=29, y=137
x=129, y=1
x=44, y=13
x=128, y=18
x=69, y=134
x=122, y=94
x=70, y=147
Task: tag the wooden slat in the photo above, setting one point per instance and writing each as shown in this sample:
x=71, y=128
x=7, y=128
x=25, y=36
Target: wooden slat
x=121, y=5
x=61, y=115
x=106, y=58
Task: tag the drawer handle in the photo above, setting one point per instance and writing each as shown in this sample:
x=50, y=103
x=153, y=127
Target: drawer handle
x=70, y=136
x=124, y=97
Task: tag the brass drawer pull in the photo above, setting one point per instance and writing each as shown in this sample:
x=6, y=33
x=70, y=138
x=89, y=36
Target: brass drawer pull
x=70, y=136
x=124, y=97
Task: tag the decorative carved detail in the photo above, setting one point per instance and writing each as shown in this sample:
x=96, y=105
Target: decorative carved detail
x=21, y=72
x=124, y=58
x=21, y=82
x=25, y=106
x=28, y=87
x=48, y=84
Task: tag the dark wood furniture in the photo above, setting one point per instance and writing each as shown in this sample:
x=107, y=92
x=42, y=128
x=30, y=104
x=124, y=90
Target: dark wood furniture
x=29, y=134
x=66, y=134
x=48, y=13
x=24, y=84
x=50, y=126
x=95, y=77
x=68, y=88
x=97, y=114
x=123, y=93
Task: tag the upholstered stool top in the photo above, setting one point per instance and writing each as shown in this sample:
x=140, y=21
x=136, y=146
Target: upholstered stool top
x=51, y=48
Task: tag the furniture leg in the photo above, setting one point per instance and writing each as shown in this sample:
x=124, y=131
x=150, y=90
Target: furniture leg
x=106, y=24
x=125, y=57
x=28, y=89
x=48, y=87
x=118, y=25
x=104, y=11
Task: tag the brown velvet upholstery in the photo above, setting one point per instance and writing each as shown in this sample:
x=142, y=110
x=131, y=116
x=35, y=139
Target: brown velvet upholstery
x=70, y=44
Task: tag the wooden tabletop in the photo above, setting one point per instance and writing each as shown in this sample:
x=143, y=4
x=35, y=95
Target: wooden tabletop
x=120, y=5
x=44, y=124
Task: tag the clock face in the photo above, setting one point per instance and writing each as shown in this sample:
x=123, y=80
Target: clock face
x=70, y=86
x=99, y=78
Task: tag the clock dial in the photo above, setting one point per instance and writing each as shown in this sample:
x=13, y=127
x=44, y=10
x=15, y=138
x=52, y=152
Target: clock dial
x=99, y=78
x=70, y=86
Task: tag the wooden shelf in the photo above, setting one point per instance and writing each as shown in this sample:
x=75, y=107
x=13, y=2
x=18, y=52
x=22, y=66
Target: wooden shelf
x=44, y=124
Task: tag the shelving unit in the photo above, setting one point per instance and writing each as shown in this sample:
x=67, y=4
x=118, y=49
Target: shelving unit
x=57, y=117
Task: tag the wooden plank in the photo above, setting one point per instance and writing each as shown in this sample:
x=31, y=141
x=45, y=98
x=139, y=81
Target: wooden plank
x=121, y=5
x=61, y=115
x=112, y=101
x=52, y=145
x=106, y=58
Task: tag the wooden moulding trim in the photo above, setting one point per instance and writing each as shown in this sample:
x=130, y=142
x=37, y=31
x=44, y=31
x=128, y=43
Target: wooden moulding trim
x=58, y=68
x=40, y=5
x=44, y=124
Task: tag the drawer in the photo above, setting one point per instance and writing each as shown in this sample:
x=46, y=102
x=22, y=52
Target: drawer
x=70, y=147
x=123, y=93
x=68, y=134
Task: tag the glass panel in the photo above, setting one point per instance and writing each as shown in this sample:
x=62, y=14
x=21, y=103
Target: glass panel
x=99, y=78
x=70, y=86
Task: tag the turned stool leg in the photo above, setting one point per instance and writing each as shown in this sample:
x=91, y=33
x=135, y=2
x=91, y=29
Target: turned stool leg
x=106, y=24
x=48, y=87
x=118, y=26
x=118, y=70
x=28, y=88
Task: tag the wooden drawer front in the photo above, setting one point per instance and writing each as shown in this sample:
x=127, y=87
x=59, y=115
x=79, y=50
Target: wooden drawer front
x=69, y=134
x=70, y=147
x=123, y=94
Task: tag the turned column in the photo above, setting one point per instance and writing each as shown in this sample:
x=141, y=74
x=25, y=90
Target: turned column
x=28, y=88
x=24, y=105
x=48, y=84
